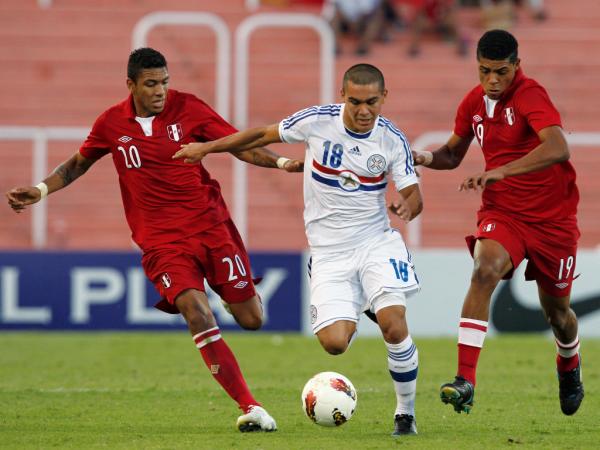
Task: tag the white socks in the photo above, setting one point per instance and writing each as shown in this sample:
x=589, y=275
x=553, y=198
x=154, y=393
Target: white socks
x=403, y=363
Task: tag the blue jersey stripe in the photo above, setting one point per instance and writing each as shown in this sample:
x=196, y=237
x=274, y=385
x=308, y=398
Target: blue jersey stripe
x=409, y=163
x=290, y=121
x=291, y=124
x=334, y=183
x=308, y=112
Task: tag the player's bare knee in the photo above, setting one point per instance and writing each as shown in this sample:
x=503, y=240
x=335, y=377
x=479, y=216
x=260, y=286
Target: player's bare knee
x=394, y=335
x=248, y=314
x=199, y=320
x=560, y=318
x=197, y=315
x=394, y=331
x=334, y=346
x=486, y=275
x=250, y=322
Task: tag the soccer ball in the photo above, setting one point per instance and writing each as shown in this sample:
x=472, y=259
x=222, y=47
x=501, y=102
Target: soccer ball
x=329, y=399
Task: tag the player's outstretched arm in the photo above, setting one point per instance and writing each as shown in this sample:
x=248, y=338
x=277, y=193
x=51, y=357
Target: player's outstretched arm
x=409, y=203
x=552, y=149
x=67, y=172
x=238, y=142
x=447, y=157
x=263, y=157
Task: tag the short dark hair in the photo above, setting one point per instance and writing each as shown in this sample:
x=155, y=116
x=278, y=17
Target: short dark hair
x=364, y=74
x=498, y=45
x=144, y=58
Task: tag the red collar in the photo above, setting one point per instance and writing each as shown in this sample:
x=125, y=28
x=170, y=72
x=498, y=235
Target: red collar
x=130, y=107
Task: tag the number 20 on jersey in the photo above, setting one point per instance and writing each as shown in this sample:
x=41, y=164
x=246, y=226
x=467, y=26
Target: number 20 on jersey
x=132, y=157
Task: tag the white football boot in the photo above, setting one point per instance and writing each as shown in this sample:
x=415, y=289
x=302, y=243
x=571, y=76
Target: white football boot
x=256, y=419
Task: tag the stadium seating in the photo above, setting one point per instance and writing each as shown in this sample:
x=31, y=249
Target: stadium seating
x=65, y=64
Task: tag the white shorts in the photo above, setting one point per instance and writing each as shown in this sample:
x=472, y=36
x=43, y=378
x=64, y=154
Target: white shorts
x=344, y=284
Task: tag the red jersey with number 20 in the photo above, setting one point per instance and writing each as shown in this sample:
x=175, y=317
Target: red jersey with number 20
x=165, y=200
x=509, y=132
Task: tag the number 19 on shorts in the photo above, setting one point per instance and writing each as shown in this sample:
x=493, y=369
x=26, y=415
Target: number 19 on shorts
x=566, y=264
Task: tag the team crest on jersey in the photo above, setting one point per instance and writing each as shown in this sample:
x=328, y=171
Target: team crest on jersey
x=166, y=280
x=175, y=132
x=376, y=164
x=488, y=227
x=509, y=115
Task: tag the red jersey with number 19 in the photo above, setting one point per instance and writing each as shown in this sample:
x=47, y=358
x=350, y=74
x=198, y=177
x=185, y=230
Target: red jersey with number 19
x=507, y=130
x=165, y=200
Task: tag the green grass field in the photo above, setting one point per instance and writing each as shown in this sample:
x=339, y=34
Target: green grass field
x=151, y=391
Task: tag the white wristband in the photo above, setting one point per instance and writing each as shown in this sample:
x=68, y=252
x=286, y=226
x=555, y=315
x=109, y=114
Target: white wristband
x=43, y=187
x=428, y=157
x=281, y=161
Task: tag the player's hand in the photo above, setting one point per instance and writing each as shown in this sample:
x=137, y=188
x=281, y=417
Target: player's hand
x=481, y=180
x=294, y=165
x=422, y=158
x=400, y=208
x=193, y=152
x=19, y=198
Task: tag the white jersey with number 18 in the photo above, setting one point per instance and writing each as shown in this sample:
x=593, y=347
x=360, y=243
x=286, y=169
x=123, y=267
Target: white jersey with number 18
x=345, y=175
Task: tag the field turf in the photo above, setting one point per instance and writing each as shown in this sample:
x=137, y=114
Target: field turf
x=152, y=391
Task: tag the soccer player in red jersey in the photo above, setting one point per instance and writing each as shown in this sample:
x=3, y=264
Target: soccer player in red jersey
x=529, y=205
x=176, y=212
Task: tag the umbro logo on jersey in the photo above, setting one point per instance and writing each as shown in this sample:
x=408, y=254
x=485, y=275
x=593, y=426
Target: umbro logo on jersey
x=175, y=132
x=241, y=284
x=561, y=285
x=477, y=118
x=124, y=139
x=354, y=151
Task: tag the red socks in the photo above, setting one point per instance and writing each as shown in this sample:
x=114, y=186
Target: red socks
x=471, y=334
x=223, y=366
x=568, y=355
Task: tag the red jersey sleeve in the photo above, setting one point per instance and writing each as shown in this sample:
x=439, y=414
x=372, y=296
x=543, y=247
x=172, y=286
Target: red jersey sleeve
x=535, y=105
x=95, y=146
x=462, y=122
x=212, y=125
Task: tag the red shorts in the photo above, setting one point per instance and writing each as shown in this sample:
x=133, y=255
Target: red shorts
x=216, y=255
x=549, y=247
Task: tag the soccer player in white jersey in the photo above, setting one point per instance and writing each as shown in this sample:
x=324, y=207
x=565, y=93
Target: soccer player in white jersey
x=358, y=262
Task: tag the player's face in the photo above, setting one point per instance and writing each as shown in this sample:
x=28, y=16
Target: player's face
x=149, y=91
x=362, y=105
x=496, y=76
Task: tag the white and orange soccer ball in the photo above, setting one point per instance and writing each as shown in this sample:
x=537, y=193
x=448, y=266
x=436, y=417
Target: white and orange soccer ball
x=329, y=399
